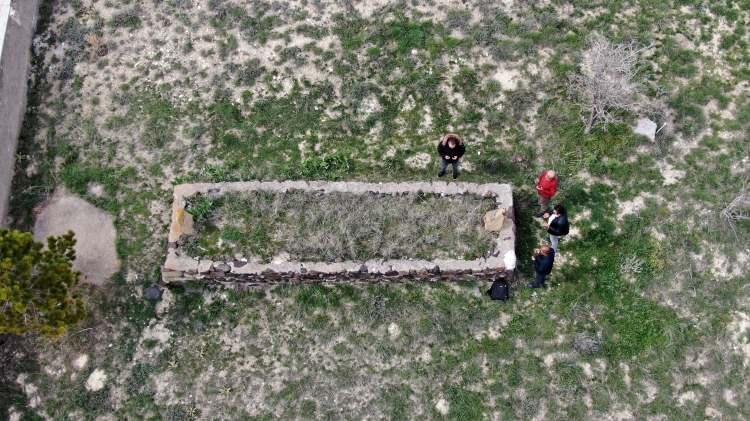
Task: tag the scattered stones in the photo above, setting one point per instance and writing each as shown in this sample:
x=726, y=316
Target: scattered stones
x=96, y=380
x=646, y=128
x=30, y=390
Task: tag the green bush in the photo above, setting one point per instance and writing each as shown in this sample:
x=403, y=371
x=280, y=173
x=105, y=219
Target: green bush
x=37, y=285
x=331, y=167
x=201, y=207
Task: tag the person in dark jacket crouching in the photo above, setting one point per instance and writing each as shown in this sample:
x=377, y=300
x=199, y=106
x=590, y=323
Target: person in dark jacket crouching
x=557, y=225
x=544, y=258
x=451, y=148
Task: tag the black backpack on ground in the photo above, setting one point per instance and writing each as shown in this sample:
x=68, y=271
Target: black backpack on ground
x=500, y=290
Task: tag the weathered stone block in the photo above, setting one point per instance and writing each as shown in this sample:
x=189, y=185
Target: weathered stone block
x=182, y=224
x=494, y=220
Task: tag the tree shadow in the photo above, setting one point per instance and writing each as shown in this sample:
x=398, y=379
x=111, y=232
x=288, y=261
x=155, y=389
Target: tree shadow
x=17, y=355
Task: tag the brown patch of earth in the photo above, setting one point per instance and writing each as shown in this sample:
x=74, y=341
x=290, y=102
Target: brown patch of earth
x=96, y=256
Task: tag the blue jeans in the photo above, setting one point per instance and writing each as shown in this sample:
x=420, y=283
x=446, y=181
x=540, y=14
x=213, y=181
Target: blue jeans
x=539, y=279
x=444, y=165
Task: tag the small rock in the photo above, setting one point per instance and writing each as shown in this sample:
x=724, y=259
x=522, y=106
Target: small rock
x=96, y=380
x=442, y=406
x=585, y=344
x=152, y=293
x=646, y=128
x=95, y=189
x=81, y=361
x=222, y=267
x=204, y=266
x=394, y=330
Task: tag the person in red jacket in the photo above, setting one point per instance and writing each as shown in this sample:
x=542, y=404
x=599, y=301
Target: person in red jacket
x=546, y=187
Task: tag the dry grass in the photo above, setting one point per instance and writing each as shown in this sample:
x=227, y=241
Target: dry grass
x=340, y=226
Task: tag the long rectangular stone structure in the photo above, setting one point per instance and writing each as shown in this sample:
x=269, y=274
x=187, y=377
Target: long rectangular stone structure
x=17, y=25
x=180, y=267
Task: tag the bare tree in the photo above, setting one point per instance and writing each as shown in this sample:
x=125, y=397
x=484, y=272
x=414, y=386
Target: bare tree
x=607, y=81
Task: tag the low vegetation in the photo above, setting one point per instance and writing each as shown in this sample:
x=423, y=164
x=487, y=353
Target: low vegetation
x=37, y=284
x=339, y=226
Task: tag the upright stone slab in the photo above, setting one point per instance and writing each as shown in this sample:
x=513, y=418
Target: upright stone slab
x=646, y=128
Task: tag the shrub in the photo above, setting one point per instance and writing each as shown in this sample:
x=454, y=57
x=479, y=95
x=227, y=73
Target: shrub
x=37, y=285
x=130, y=19
x=607, y=82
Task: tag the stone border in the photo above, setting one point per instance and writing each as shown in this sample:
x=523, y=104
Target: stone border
x=179, y=267
x=17, y=27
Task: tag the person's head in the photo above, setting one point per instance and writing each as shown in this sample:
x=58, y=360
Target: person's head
x=560, y=209
x=551, y=175
x=544, y=250
x=452, y=140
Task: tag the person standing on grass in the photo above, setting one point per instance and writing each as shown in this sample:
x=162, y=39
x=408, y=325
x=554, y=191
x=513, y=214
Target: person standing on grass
x=544, y=258
x=557, y=226
x=450, y=148
x=546, y=188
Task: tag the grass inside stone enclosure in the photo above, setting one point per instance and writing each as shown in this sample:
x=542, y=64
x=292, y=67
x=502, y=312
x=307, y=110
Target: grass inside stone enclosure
x=339, y=226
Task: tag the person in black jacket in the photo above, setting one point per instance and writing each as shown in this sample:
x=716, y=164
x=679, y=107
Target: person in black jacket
x=450, y=148
x=557, y=225
x=544, y=258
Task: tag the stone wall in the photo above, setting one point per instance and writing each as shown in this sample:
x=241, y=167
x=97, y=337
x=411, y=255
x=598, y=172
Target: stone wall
x=17, y=27
x=180, y=267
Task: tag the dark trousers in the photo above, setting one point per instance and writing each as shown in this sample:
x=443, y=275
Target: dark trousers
x=539, y=279
x=444, y=166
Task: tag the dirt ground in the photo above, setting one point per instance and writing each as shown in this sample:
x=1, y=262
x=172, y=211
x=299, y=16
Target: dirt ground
x=96, y=257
